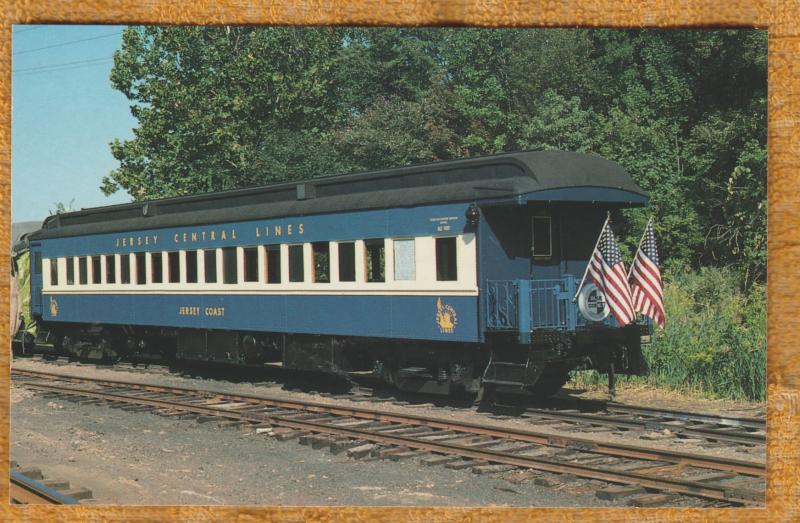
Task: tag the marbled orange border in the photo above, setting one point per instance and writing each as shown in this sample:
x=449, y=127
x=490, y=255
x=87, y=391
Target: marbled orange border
x=780, y=17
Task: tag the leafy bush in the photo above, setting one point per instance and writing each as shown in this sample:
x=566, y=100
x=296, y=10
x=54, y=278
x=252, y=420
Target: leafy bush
x=715, y=341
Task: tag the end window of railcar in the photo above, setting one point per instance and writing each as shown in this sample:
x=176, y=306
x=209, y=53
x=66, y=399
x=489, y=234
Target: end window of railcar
x=125, y=268
x=210, y=258
x=273, y=260
x=229, y=270
x=83, y=271
x=70, y=271
x=446, y=260
x=37, y=262
x=376, y=260
x=250, y=264
x=296, y=265
x=111, y=269
x=542, y=237
x=322, y=261
x=404, y=262
x=141, y=269
x=96, y=271
x=53, y=271
x=191, y=266
x=347, y=261
x=157, y=268
x=174, y=267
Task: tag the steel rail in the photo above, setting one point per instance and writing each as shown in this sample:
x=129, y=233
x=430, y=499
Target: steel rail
x=27, y=491
x=706, y=433
x=509, y=433
x=744, y=422
x=619, y=450
x=718, y=492
x=755, y=424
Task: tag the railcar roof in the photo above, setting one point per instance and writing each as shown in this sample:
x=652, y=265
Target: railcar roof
x=561, y=175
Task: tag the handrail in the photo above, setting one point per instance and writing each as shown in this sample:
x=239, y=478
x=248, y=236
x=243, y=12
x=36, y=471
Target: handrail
x=528, y=305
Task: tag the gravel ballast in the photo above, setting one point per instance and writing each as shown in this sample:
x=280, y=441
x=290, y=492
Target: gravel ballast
x=141, y=458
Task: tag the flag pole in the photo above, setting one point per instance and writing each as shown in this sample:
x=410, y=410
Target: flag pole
x=602, y=230
x=630, y=269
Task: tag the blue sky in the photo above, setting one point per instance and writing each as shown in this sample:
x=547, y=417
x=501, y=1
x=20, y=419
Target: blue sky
x=64, y=113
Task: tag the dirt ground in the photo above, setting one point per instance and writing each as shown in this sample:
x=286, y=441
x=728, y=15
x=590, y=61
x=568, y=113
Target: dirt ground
x=642, y=394
x=141, y=458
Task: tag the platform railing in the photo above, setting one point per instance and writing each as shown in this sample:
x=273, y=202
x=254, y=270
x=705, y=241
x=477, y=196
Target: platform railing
x=551, y=303
x=502, y=298
x=526, y=305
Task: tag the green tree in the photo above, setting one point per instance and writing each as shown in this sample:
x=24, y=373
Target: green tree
x=683, y=111
x=223, y=107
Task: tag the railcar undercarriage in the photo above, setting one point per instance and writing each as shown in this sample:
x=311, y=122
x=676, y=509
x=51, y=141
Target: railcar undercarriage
x=456, y=369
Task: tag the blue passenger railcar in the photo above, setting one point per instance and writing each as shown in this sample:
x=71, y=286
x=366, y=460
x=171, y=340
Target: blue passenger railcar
x=439, y=277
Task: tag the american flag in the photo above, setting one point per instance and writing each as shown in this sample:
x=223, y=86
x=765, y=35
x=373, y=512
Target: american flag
x=607, y=271
x=646, y=287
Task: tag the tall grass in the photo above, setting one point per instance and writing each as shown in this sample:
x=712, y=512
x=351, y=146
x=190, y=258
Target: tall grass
x=715, y=342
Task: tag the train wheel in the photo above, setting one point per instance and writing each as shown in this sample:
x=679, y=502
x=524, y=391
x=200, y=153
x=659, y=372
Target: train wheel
x=552, y=379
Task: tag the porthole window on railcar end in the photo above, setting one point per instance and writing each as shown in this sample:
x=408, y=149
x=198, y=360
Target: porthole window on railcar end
x=174, y=267
x=273, y=261
x=250, y=264
x=296, y=265
x=141, y=268
x=375, y=252
x=446, y=259
x=321, y=254
x=83, y=271
x=404, y=263
x=191, y=266
x=230, y=273
x=125, y=269
x=157, y=268
x=54, y=271
x=347, y=261
x=210, y=259
x=70, y=271
x=542, y=237
x=111, y=269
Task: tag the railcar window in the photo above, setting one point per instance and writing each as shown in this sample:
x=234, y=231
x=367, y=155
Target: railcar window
x=296, y=266
x=273, y=259
x=347, y=261
x=376, y=260
x=250, y=263
x=156, y=264
x=141, y=269
x=37, y=262
x=125, y=268
x=54, y=271
x=191, y=266
x=96, y=272
x=111, y=269
x=446, y=261
x=229, y=272
x=404, y=264
x=83, y=271
x=174, y=266
x=210, y=257
x=70, y=271
x=542, y=236
x=322, y=262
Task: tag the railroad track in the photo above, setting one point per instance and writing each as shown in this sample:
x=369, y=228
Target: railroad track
x=744, y=431
x=576, y=414
x=25, y=490
x=455, y=444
